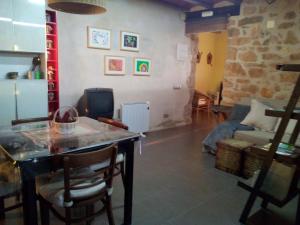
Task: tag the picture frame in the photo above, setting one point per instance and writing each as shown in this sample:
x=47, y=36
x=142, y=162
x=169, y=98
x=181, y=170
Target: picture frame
x=130, y=41
x=142, y=66
x=98, y=38
x=114, y=65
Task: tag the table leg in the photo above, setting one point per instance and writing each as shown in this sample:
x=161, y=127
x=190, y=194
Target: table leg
x=29, y=198
x=128, y=182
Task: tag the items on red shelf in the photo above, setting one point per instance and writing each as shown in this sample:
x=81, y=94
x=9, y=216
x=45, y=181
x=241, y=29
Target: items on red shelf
x=52, y=62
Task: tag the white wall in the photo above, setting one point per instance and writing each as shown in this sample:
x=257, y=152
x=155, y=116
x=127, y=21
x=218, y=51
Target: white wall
x=160, y=27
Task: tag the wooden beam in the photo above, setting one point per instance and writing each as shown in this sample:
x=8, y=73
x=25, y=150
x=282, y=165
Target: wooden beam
x=237, y=2
x=205, y=3
x=227, y=11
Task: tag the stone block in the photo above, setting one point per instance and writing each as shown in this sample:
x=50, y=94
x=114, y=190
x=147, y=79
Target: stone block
x=239, y=41
x=286, y=25
x=248, y=56
x=249, y=10
x=271, y=56
x=288, y=77
x=250, y=20
x=291, y=38
x=234, y=69
x=290, y=15
x=295, y=56
x=256, y=72
x=231, y=53
x=266, y=92
x=233, y=32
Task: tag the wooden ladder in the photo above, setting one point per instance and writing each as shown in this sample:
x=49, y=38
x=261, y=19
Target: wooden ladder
x=265, y=216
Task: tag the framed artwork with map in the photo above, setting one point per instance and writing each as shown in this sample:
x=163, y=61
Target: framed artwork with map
x=98, y=38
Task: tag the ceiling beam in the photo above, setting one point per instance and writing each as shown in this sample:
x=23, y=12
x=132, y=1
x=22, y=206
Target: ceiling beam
x=237, y=2
x=205, y=3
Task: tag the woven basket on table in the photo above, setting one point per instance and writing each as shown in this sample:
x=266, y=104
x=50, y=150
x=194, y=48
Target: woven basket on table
x=229, y=157
x=64, y=128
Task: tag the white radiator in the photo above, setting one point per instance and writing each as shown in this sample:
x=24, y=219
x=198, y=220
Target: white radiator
x=136, y=116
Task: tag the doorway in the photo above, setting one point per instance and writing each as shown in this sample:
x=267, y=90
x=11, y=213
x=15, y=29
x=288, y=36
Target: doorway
x=212, y=47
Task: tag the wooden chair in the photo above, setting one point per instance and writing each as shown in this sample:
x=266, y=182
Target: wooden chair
x=78, y=186
x=9, y=186
x=120, y=160
x=202, y=101
x=10, y=183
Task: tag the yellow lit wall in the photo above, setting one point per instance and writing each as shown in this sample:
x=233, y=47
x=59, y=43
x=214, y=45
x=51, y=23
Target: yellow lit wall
x=208, y=77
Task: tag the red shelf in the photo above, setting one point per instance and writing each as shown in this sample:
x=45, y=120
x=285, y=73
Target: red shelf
x=53, y=74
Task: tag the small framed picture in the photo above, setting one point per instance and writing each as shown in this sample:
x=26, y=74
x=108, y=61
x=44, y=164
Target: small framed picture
x=142, y=66
x=130, y=41
x=114, y=65
x=98, y=38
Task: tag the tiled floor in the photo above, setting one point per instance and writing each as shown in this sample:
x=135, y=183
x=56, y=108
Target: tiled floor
x=176, y=184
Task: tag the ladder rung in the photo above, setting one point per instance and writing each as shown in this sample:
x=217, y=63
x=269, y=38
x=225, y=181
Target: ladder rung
x=289, y=67
x=277, y=202
x=281, y=113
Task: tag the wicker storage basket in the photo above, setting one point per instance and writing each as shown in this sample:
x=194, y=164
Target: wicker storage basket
x=64, y=128
x=253, y=161
x=229, y=157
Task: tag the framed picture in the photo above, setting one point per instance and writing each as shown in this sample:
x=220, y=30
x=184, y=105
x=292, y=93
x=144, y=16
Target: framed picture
x=142, y=66
x=98, y=38
x=114, y=65
x=130, y=41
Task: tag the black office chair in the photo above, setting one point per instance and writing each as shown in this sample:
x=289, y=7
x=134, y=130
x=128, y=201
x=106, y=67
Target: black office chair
x=98, y=103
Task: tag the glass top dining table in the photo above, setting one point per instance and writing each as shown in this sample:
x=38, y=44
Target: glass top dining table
x=32, y=145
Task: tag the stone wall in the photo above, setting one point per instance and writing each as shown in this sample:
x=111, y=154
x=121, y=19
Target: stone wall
x=254, y=49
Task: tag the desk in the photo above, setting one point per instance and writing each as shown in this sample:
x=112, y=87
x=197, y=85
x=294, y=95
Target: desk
x=32, y=146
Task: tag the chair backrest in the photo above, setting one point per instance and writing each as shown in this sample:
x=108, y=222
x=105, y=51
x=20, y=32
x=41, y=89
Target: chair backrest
x=73, y=162
x=97, y=102
x=30, y=120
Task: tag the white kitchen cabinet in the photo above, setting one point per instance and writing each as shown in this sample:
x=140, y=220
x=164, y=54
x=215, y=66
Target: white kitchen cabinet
x=32, y=98
x=7, y=102
x=6, y=26
x=29, y=25
x=22, y=99
x=22, y=25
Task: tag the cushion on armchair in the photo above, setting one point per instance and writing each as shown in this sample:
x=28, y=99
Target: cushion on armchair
x=256, y=117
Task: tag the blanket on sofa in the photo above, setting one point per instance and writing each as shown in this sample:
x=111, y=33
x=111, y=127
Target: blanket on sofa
x=222, y=131
x=227, y=128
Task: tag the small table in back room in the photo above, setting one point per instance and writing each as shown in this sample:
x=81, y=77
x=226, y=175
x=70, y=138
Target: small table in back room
x=32, y=146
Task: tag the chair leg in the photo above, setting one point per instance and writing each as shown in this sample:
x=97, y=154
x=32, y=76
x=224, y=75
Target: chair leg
x=298, y=211
x=68, y=216
x=109, y=211
x=18, y=197
x=2, y=212
x=89, y=210
x=122, y=168
x=44, y=213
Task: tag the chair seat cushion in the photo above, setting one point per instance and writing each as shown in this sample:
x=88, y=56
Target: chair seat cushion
x=98, y=166
x=53, y=191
